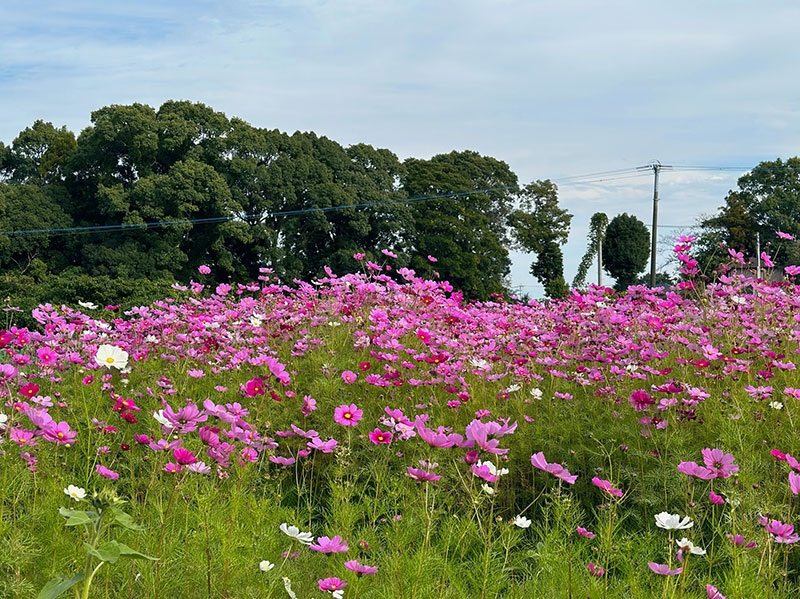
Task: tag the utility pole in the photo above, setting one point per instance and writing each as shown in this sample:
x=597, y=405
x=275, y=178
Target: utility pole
x=656, y=167
x=758, y=255
x=599, y=260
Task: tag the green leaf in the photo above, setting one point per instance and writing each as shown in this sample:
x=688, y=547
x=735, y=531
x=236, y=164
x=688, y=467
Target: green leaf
x=77, y=517
x=132, y=553
x=58, y=585
x=126, y=520
x=107, y=552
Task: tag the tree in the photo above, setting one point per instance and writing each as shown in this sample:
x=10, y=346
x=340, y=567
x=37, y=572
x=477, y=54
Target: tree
x=626, y=249
x=38, y=154
x=767, y=200
x=463, y=220
x=597, y=233
x=541, y=227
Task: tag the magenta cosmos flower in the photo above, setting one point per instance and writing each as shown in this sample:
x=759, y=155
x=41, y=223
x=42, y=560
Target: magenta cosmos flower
x=721, y=464
x=378, y=437
x=331, y=584
x=606, y=486
x=421, y=475
x=557, y=470
x=329, y=545
x=347, y=415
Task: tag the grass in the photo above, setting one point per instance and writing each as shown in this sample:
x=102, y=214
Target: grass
x=563, y=373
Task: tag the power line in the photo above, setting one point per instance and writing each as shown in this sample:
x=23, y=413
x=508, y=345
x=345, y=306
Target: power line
x=219, y=219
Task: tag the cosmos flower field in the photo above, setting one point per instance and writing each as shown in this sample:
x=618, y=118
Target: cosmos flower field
x=375, y=435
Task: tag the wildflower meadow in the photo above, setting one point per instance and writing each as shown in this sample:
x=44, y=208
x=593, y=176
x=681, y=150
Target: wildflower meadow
x=377, y=436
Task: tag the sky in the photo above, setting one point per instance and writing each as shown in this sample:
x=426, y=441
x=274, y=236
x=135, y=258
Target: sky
x=557, y=90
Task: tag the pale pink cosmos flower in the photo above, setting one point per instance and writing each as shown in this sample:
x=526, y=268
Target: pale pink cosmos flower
x=663, y=569
x=355, y=566
x=693, y=469
x=105, y=472
x=557, y=470
x=713, y=592
x=794, y=482
x=585, y=533
x=782, y=533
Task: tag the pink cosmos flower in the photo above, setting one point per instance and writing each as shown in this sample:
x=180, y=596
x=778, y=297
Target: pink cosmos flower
x=663, y=569
x=329, y=545
x=783, y=235
x=172, y=467
x=693, y=469
x=105, y=472
x=792, y=270
x=348, y=376
x=721, y=464
x=794, y=482
x=47, y=356
x=767, y=259
x=183, y=456
x=715, y=499
x=595, y=570
x=606, y=486
x=347, y=415
x=713, y=592
x=640, y=400
x=484, y=471
x=360, y=569
x=740, y=541
x=378, y=437
x=281, y=460
x=421, y=475
x=557, y=470
x=782, y=533
x=585, y=533
x=331, y=584
x=323, y=446
x=60, y=433
x=203, y=269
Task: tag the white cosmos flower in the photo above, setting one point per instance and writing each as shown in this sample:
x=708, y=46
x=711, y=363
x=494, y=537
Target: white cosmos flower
x=88, y=305
x=161, y=419
x=111, y=355
x=265, y=565
x=669, y=521
x=686, y=545
x=522, y=521
x=75, y=492
x=487, y=489
x=3, y=420
x=338, y=594
x=306, y=538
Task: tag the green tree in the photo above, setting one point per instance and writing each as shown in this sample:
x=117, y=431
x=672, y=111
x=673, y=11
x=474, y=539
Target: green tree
x=467, y=229
x=626, y=249
x=597, y=233
x=767, y=200
x=540, y=226
x=38, y=155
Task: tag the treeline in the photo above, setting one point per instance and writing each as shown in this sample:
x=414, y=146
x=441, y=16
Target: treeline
x=142, y=197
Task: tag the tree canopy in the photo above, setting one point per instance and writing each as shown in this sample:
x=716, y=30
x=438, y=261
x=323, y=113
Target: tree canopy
x=626, y=249
x=146, y=194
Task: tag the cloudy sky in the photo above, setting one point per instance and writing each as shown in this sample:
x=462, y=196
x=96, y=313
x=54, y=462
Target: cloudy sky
x=557, y=89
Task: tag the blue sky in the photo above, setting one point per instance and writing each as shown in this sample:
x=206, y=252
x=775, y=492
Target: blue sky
x=555, y=89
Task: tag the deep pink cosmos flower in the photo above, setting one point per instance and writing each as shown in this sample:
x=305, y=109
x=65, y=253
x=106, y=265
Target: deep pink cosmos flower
x=329, y=545
x=347, y=415
x=378, y=437
x=557, y=470
x=740, y=541
x=331, y=584
x=640, y=400
x=253, y=387
x=715, y=499
x=183, y=456
x=721, y=464
x=606, y=486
